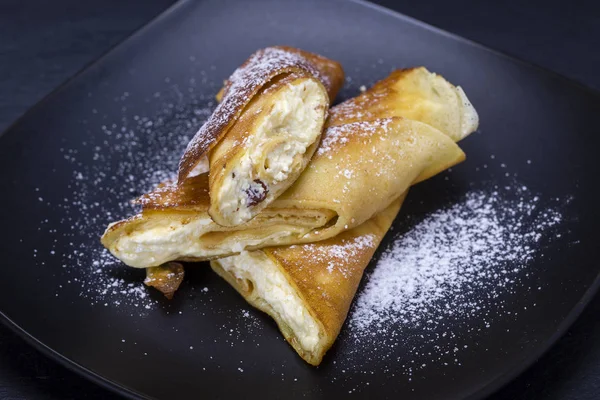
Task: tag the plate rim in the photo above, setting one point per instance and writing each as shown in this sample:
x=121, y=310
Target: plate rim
x=70, y=364
x=490, y=388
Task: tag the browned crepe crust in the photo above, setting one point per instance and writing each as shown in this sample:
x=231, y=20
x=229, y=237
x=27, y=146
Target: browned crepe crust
x=358, y=170
x=363, y=168
x=245, y=83
x=331, y=73
x=325, y=275
x=189, y=195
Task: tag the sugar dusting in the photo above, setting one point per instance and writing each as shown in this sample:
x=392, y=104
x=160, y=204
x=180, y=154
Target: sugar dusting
x=121, y=159
x=338, y=254
x=336, y=136
x=458, y=263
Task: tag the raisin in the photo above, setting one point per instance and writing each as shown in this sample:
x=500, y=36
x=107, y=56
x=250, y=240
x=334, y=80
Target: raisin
x=256, y=192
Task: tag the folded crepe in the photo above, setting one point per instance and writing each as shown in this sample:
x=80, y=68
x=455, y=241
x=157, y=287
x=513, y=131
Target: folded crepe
x=416, y=94
x=307, y=289
x=360, y=168
x=264, y=131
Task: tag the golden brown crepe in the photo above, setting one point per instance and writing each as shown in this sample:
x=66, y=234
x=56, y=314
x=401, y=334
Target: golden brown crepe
x=307, y=289
x=363, y=168
x=330, y=72
x=360, y=168
x=416, y=94
x=265, y=130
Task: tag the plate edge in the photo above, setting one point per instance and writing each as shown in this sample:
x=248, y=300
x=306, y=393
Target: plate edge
x=70, y=364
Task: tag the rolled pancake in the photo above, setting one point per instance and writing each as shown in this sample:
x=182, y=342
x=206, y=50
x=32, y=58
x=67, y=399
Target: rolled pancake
x=359, y=169
x=265, y=130
x=364, y=168
x=416, y=94
x=307, y=289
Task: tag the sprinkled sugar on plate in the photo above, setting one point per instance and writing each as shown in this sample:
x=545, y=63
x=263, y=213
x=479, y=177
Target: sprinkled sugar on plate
x=148, y=149
x=479, y=244
x=456, y=265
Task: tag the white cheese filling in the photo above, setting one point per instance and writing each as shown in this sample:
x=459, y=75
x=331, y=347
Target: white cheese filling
x=271, y=285
x=165, y=241
x=274, y=150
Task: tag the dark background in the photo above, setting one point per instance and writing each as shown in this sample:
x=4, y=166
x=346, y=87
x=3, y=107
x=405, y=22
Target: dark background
x=42, y=43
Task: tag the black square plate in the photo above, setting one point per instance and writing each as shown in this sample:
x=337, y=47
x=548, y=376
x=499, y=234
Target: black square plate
x=71, y=163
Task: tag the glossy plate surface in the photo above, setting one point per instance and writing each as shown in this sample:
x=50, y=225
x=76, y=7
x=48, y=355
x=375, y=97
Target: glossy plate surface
x=70, y=164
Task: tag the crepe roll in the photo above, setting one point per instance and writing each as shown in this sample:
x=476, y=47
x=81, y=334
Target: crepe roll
x=264, y=131
x=308, y=289
x=416, y=94
x=359, y=169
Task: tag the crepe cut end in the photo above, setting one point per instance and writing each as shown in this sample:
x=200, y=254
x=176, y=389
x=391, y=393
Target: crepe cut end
x=157, y=236
x=415, y=94
x=262, y=66
x=165, y=278
x=280, y=132
x=469, y=116
x=264, y=285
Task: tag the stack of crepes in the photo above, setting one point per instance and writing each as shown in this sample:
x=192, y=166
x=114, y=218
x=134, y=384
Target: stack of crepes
x=297, y=196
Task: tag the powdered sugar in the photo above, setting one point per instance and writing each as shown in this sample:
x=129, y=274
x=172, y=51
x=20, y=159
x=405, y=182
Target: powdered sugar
x=454, y=264
x=129, y=155
x=339, y=253
x=336, y=136
x=346, y=249
x=479, y=241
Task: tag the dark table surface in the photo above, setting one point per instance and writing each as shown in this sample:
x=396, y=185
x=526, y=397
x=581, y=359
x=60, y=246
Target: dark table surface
x=42, y=43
